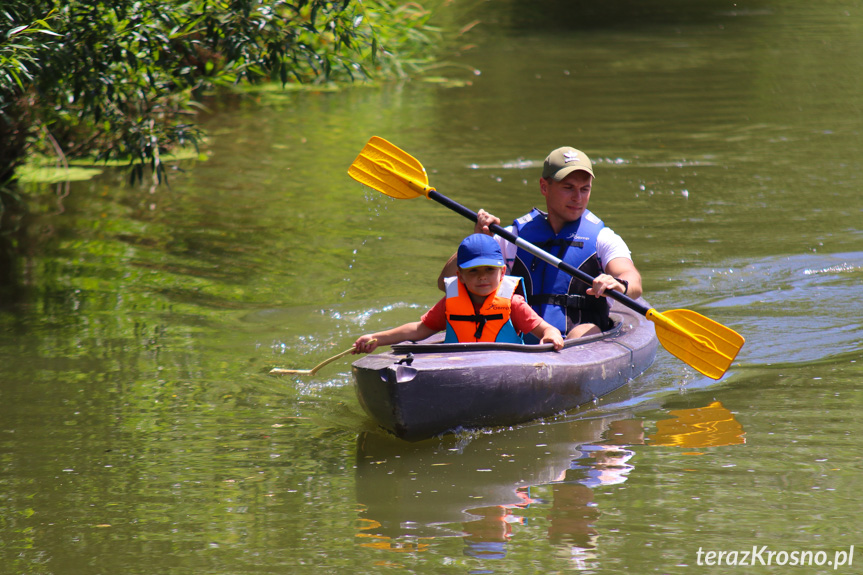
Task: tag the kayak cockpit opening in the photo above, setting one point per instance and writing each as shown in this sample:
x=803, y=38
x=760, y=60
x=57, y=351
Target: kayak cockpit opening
x=435, y=343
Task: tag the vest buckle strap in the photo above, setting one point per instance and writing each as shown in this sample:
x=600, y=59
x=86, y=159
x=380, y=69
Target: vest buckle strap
x=480, y=320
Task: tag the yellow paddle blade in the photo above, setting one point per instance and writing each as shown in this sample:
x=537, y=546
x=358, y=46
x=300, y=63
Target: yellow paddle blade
x=390, y=170
x=706, y=345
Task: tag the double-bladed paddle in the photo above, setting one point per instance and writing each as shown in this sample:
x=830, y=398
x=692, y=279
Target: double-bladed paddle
x=706, y=345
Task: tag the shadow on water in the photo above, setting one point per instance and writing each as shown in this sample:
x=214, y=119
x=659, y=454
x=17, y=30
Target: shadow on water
x=12, y=235
x=624, y=14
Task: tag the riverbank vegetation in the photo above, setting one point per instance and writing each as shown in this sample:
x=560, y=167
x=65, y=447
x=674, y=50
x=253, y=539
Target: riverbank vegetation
x=122, y=81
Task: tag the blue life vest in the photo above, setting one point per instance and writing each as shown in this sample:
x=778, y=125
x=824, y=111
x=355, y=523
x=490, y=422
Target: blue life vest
x=556, y=296
x=493, y=323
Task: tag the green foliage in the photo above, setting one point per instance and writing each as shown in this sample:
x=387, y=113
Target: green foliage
x=19, y=68
x=123, y=80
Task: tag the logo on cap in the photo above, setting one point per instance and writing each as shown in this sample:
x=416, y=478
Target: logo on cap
x=570, y=157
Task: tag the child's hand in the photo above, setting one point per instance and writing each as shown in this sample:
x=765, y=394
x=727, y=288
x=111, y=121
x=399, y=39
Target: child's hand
x=552, y=335
x=365, y=344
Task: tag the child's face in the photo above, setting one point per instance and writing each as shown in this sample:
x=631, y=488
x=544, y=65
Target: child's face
x=481, y=280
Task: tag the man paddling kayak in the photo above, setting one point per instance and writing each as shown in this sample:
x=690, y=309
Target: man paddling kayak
x=574, y=234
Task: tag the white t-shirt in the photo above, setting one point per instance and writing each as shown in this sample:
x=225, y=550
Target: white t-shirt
x=609, y=246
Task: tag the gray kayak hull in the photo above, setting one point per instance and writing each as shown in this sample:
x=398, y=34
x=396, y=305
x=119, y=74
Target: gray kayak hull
x=419, y=390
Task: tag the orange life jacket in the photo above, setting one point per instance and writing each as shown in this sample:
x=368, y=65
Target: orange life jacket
x=491, y=324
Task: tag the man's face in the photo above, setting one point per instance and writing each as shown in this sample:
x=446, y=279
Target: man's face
x=567, y=199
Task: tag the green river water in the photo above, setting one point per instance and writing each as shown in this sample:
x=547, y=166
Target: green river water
x=140, y=432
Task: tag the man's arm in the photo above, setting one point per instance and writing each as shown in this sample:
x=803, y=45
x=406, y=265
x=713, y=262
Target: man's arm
x=450, y=269
x=618, y=268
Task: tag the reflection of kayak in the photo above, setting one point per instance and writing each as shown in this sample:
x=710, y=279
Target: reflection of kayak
x=420, y=489
x=419, y=390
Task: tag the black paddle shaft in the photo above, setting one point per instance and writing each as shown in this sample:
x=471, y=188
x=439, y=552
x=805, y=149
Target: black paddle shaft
x=541, y=254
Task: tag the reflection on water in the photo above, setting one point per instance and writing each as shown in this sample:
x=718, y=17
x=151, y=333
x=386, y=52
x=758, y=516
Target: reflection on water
x=486, y=536
x=604, y=465
x=481, y=486
x=709, y=426
x=491, y=488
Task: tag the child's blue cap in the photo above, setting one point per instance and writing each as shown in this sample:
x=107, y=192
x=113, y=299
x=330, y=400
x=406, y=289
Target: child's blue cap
x=479, y=250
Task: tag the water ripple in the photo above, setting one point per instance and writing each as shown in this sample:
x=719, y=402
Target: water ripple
x=793, y=309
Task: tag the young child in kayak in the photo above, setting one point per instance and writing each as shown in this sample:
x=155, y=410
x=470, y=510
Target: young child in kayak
x=480, y=305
